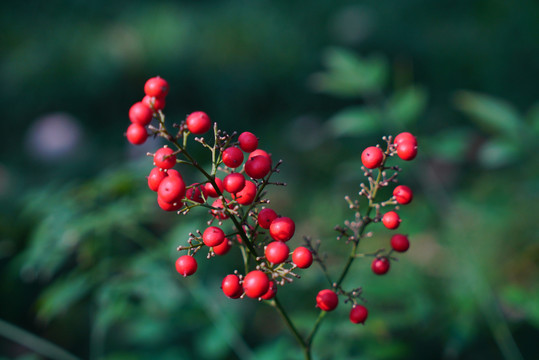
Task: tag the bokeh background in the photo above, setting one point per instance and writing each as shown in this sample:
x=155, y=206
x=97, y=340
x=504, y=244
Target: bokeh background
x=86, y=256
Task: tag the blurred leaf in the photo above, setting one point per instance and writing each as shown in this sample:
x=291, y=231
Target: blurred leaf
x=532, y=118
x=452, y=144
x=497, y=153
x=524, y=301
x=353, y=121
x=405, y=106
x=495, y=115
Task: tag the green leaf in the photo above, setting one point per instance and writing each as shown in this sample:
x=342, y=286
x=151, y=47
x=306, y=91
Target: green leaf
x=406, y=105
x=450, y=144
x=532, y=118
x=497, y=153
x=356, y=120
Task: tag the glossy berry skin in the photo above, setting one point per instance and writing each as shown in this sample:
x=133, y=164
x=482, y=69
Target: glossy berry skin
x=213, y=236
x=403, y=194
x=277, y=252
x=220, y=214
x=248, y=141
x=372, y=157
x=255, y=284
x=136, y=134
x=327, y=300
x=210, y=190
x=258, y=166
x=231, y=286
x=198, y=122
x=171, y=189
x=247, y=195
x=358, y=314
x=302, y=257
x=155, y=178
x=232, y=157
x=156, y=86
x=407, y=150
x=154, y=102
x=265, y=217
x=400, y=242
x=186, y=265
x=164, y=158
x=282, y=229
x=380, y=266
x=223, y=247
x=405, y=137
x=140, y=114
x=259, y=152
x=175, y=206
x=196, y=193
x=272, y=291
x=391, y=220
x=234, y=182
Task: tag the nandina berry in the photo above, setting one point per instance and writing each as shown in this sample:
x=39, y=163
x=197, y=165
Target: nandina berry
x=391, y=220
x=248, y=141
x=358, y=314
x=154, y=103
x=372, y=157
x=196, y=193
x=403, y=194
x=156, y=86
x=219, y=213
x=223, y=247
x=272, y=291
x=164, y=158
x=302, y=257
x=259, y=152
x=140, y=114
x=265, y=217
x=136, y=134
x=407, y=150
x=213, y=236
x=231, y=286
x=172, y=172
x=186, y=265
x=210, y=190
x=171, y=189
x=277, y=252
x=198, y=122
x=405, y=137
x=400, y=242
x=258, y=166
x=232, y=157
x=175, y=206
x=282, y=229
x=255, y=284
x=155, y=178
x=327, y=300
x=234, y=182
x=247, y=195
x=380, y=266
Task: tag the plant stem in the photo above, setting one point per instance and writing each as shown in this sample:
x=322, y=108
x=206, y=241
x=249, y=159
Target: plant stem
x=305, y=345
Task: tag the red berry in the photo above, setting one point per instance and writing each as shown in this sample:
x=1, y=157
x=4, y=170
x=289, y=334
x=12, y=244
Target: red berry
x=156, y=86
x=407, y=150
x=277, y=252
x=400, y=243
x=164, y=158
x=403, y=194
x=248, y=141
x=272, y=291
x=258, y=166
x=282, y=229
x=220, y=214
x=213, y=236
x=154, y=103
x=186, y=265
x=231, y=286
x=380, y=266
x=327, y=300
x=171, y=189
x=391, y=220
x=223, y=247
x=358, y=314
x=259, y=152
x=265, y=217
x=232, y=157
x=136, y=134
x=372, y=157
x=255, y=284
x=140, y=114
x=198, y=122
x=405, y=137
x=210, y=190
x=196, y=193
x=247, y=195
x=234, y=182
x=155, y=178
x=175, y=206
x=302, y=257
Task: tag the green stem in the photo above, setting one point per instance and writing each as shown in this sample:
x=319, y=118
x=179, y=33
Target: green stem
x=305, y=345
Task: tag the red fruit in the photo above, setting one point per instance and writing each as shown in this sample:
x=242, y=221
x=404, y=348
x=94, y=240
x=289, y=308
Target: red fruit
x=282, y=229
x=407, y=150
x=258, y=166
x=164, y=158
x=403, y=194
x=380, y=266
x=213, y=236
x=400, y=243
x=198, y=122
x=405, y=137
x=272, y=291
x=154, y=103
x=155, y=178
x=171, y=189
x=210, y=190
x=140, y=114
x=277, y=252
x=232, y=157
x=372, y=157
x=259, y=152
x=136, y=134
x=255, y=284
x=156, y=86
x=248, y=141
x=223, y=247
x=302, y=257
x=234, y=182
x=196, y=193
x=391, y=220
x=231, y=286
x=247, y=195
x=327, y=300
x=175, y=206
x=358, y=314
x=265, y=217
x=220, y=214
x=186, y=265
x=172, y=172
